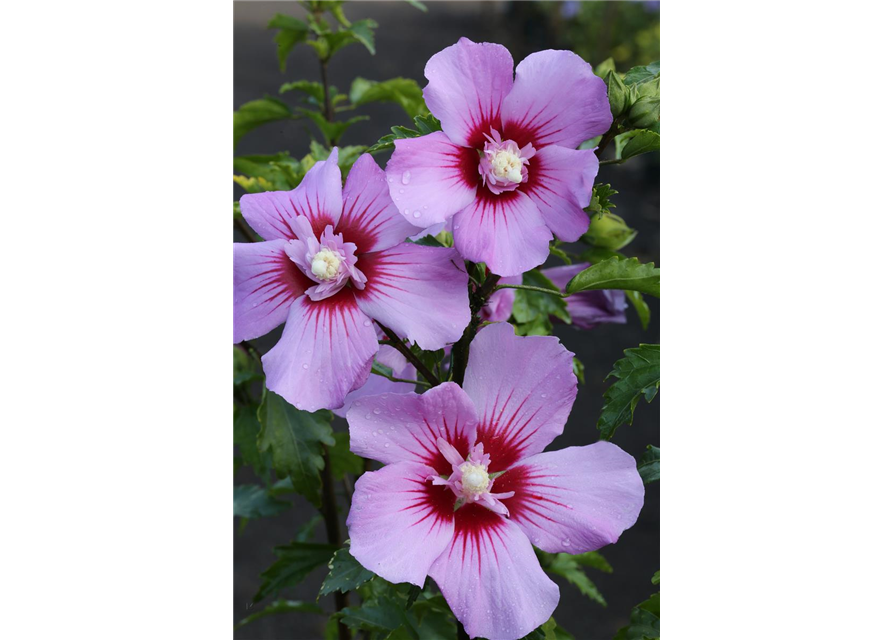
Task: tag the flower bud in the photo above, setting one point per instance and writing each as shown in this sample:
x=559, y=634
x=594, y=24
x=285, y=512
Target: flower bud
x=609, y=231
x=618, y=94
x=645, y=113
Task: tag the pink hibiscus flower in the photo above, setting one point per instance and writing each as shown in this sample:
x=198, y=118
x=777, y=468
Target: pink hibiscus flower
x=465, y=491
x=505, y=167
x=333, y=263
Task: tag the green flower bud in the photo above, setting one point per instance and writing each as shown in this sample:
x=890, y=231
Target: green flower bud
x=609, y=231
x=618, y=94
x=645, y=112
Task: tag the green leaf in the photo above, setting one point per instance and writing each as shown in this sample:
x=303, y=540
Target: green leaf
x=639, y=75
x=363, y=31
x=281, y=606
x=312, y=89
x=424, y=125
x=295, y=439
x=592, y=559
x=601, y=203
x=561, y=254
x=252, y=501
x=403, y=91
x=644, y=621
x=649, y=466
x=291, y=32
x=384, y=615
x=604, y=66
x=638, y=375
x=280, y=171
x=345, y=573
x=296, y=560
x=533, y=310
x=579, y=371
x=568, y=567
x=627, y=274
x=656, y=578
x=637, y=142
x=342, y=459
x=245, y=429
x=331, y=131
x=418, y=5
x=257, y=112
x=245, y=368
x=609, y=231
x=638, y=301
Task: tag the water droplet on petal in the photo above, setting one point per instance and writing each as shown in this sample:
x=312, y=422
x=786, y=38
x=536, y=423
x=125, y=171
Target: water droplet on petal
x=406, y=177
x=376, y=411
x=368, y=416
x=368, y=323
x=565, y=543
x=406, y=212
x=387, y=444
x=416, y=214
x=402, y=190
x=305, y=365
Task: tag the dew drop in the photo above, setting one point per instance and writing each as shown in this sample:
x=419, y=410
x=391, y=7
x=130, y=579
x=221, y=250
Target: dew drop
x=402, y=190
x=406, y=212
x=368, y=416
x=416, y=214
x=390, y=179
x=376, y=411
x=387, y=444
x=368, y=323
x=305, y=365
x=566, y=542
x=406, y=177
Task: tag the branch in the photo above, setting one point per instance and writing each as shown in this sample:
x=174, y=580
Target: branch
x=393, y=379
x=245, y=229
x=333, y=531
x=478, y=299
x=606, y=140
x=398, y=344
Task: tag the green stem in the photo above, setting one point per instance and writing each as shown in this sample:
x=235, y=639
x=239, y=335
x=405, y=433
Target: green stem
x=395, y=379
x=478, y=297
x=246, y=231
x=399, y=345
x=527, y=287
x=606, y=140
x=333, y=531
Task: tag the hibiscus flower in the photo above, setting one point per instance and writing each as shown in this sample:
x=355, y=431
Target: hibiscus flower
x=331, y=264
x=589, y=308
x=465, y=492
x=505, y=168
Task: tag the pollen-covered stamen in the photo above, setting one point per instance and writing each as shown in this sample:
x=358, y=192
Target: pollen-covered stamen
x=329, y=261
x=470, y=480
x=503, y=165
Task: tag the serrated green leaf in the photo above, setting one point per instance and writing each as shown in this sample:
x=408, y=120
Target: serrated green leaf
x=600, y=204
x=331, y=131
x=627, y=274
x=568, y=567
x=592, y=559
x=281, y=606
x=343, y=461
x=312, y=89
x=252, y=501
x=291, y=32
x=245, y=429
x=295, y=440
x=384, y=615
x=638, y=376
x=642, y=74
x=364, y=32
x=649, y=465
x=642, y=309
x=257, y=112
x=532, y=309
x=345, y=573
x=279, y=171
x=424, y=125
x=644, y=621
x=296, y=560
x=403, y=91
x=636, y=142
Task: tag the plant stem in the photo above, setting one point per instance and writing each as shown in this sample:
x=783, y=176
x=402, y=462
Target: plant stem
x=246, y=231
x=527, y=287
x=393, y=379
x=399, y=345
x=606, y=140
x=333, y=531
x=478, y=299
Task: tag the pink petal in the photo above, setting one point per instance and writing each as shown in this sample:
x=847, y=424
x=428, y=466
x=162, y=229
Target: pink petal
x=419, y=292
x=265, y=283
x=405, y=428
x=399, y=523
x=318, y=197
x=523, y=389
x=370, y=220
x=432, y=177
x=505, y=231
x=467, y=83
x=499, y=305
x=561, y=185
x=589, y=308
x=576, y=499
x=491, y=578
x=325, y=352
x=556, y=99
x=376, y=385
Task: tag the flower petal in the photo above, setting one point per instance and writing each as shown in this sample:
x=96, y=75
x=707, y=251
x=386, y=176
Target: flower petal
x=499, y=305
x=491, y=578
x=574, y=500
x=318, y=197
x=523, y=389
x=405, y=428
x=399, y=523
x=467, y=83
x=432, y=177
x=419, y=292
x=265, y=283
x=376, y=385
x=370, y=220
x=556, y=99
x=561, y=185
x=325, y=352
x=505, y=231
x=589, y=308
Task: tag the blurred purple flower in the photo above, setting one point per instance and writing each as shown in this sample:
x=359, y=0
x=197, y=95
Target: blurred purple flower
x=589, y=308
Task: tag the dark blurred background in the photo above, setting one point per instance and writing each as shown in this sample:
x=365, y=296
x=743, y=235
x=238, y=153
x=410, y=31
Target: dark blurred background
x=627, y=31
